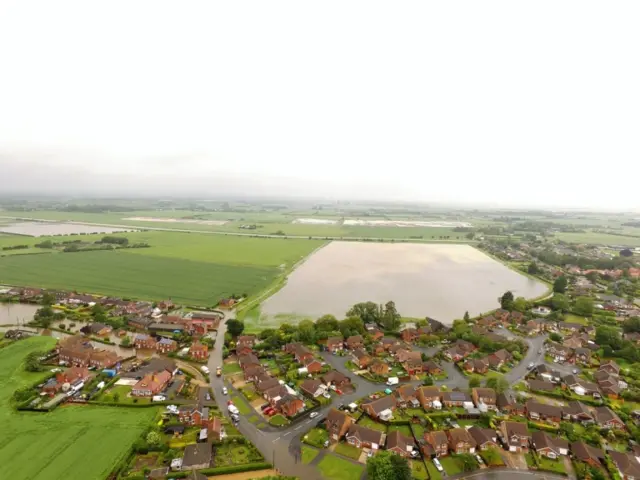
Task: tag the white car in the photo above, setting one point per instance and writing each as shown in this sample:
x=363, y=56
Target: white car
x=436, y=462
x=224, y=390
x=313, y=414
x=575, y=371
x=479, y=459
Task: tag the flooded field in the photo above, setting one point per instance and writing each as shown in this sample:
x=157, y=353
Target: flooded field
x=16, y=313
x=43, y=229
x=439, y=281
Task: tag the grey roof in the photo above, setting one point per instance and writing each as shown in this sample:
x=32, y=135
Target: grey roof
x=196, y=454
x=455, y=397
x=365, y=434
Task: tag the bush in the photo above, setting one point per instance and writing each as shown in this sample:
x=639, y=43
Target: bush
x=235, y=469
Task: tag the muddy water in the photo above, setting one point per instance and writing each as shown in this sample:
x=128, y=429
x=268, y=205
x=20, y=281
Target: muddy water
x=16, y=313
x=439, y=281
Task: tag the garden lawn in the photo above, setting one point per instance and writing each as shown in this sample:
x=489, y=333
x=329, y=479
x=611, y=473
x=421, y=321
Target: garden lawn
x=316, y=437
x=334, y=468
x=404, y=429
x=55, y=446
x=231, y=367
x=418, y=469
x=241, y=405
x=308, y=454
x=368, y=422
x=278, y=421
x=556, y=466
x=348, y=450
x=434, y=474
x=571, y=318
x=450, y=465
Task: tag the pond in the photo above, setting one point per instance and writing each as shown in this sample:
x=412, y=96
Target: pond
x=439, y=281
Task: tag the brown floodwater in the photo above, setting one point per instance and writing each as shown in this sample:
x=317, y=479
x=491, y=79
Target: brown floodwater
x=439, y=281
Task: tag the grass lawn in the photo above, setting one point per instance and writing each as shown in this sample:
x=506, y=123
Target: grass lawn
x=249, y=393
x=530, y=461
x=308, y=454
x=418, y=430
x=231, y=367
x=365, y=421
x=556, y=466
x=56, y=445
x=278, y=421
x=450, y=465
x=418, y=469
x=348, y=450
x=316, y=437
x=571, y=318
x=335, y=468
x=404, y=429
x=492, y=457
x=241, y=405
x=231, y=454
x=434, y=474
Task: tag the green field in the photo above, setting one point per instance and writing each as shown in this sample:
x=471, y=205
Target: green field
x=335, y=468
x=71, y=442
x=598, y=238
x=194, y=269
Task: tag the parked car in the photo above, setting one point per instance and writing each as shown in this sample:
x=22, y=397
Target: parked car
x=531, y=365
x=438, y=465
x=479, y=459
x=224, y=390
x=575, y=371
x=313, y=414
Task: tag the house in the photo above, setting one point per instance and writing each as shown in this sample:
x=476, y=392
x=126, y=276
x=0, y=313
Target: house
x=577, y=412
x=407, y=396
x=460, y=441
x=409, y=335
x=541, y=310
x=139, y=322
x=547, y=446
x=432, y=368
x=546, y=373
x=534, y=327
x=246, y=341
x=501, y=315
x=336, y=378
x=379, y=367
x=381, y=408
x=312, y=365
x=363, y=437
x=413, y=365
x=400, y=444
x=361, y=358
x=274, y=394
x=609, y=386
x=217, y=430
x=569, y=327
x=337, y=423
x=607, y=418
x=587, y=454
x=507, y=404
x=488, y=322
x=404, y=354
x=394, y=349
x=299, y=351
x=436, y=444
x=165, y=305
x=289, y=405
x=166, y=345
x=198, y=351
x=610, y=367
x=142, y=341
x=478, y=330
x=78, y=351
x=253, y=372
x=583, y=356
x=581, y=387
x=542, y=411
x=103, y=359
x=516, y=318
x=375, y=334
x=313, y=387
x=73, y=374
x=455, y=399
x=627, y=465
x=484, y=438
x=541, y=386
x=335, y=344
x=559, y=352
x=355, y=342
x=459, y=350
x=196, y=456
x=485, y=396
x=265, y=385
x=514, y=435
x=99, y=329
x=476, y=365
x=499, y=358
x=190, y=415
x=429, y=397
x=227, y=303
x=164, y=328
x=246, y=361
x=151, y=384
x=388, y=342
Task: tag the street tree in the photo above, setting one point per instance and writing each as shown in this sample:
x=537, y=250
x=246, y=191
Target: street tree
x=235, y=327
x=498, y=383
x=386, y=465
x=560, y=284
x=506, y=301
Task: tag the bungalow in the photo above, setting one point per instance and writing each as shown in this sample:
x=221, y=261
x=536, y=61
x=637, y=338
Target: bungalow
x=574, y=341
x=577, y=412
x=197, y=456
x=301, y=353
x=587, y=454
x=516, y=318
x=460, y=441
x=610, y=367
x=151, y=384
x=198, y=351
x=499, y=358
x=476, y=365
x=455, y=399
x=547, y=446
x=289, y=405
x=335, y=378
x=404, y=354
x=436, y=444
x=484, y=438
x=541, y=386
x=432, y=368
x=265, y=385
x=514, y=435
x=337, y=424
x=546, y=373
x=99, y=329
x=335, y=344
x=429, y=397
x=627, y=465
x=455, y=354
x=583, y=356
x=274, y=394
x=401, y=444
x=407, y=396
x=484, y=396
x=381, y=408
x=312, y=365
x=542, y=411
x=607, y=418
x=166, y=345
x=249, y=360
x=375, y=334
x=507, y=404
x=361, y=358
x=363, y=437
x=144, y=342
x=355, y=342
x=489, y=321
x=379, y=367
x=312, y=387
x=569, y=327
x=581, y=387
x=227, y=303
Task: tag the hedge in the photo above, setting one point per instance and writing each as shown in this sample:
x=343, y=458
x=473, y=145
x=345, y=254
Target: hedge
x=250, y=467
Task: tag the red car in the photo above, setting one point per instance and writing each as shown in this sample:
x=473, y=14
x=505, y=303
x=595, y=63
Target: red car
x=269, y=411
x=338, y=392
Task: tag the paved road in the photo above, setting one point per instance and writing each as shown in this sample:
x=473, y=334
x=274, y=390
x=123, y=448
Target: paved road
x=506, y=474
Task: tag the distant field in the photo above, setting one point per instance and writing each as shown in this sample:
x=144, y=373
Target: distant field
x=71, y=442
x=598, y=238
x=189, y=268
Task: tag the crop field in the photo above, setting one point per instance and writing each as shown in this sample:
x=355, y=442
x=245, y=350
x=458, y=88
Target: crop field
x=71, y=442
x=189, y=268
x=599, y=238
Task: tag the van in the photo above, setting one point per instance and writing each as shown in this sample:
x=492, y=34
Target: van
x=392, y=381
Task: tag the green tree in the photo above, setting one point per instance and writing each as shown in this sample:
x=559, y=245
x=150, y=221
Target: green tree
x=368, y=312
x=428, y=381
x=154, y=438
x=466, y=317
x=606, y=335
x=116, y=397
x=235, y=327
x=306, y=331
x=631, y=324
x=327, y=323
x=560, y=302
x=533, y=268
x=126, y=341
x=560, y=284
x=584, y=306
x=390, y=317
x=23, y=394
x=467, y=462
x=520, y=304
x=474, y=381
x=555, y=337
x=593, y=276
x=48, y=299
x=506, y=300
x=498, y=383
x=386, y=465
x=351, y=326
x=32, y=362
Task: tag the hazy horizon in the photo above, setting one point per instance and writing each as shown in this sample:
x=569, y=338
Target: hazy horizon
x=496, y=104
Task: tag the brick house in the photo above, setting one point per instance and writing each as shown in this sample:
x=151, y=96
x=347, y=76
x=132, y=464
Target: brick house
x=486, y=396
x=337, y=424
x=455, y=399
x=336, y=378
x=485, y=438
x=607, y=418
x=476, y=365
x=499, y=358
x=290, y=405
x=166, y=345
x=151, y=384
x=363, y=437
x=190, y=415
x=432, y=368
x=546, y=445
x=515, y=436
x=73, y=374
x=379, y=367
x=246, y=361
x=429, y=397
x=501, y=315
x=312, y=387
x=400, y=444
x=436, y=443
x=382, y=407
x=267, y=384
x=361, y=358
x=588, y=454
x=199, y=351
x=312, y=365
x=414, y=364
x=355, y=342
x=144, y=342
x=409, y=335
x=460, y=441
x=577, y=412
x=335, y=344
x=627, y=465
x=407, y=396
x=375, y=334
x=103, y=359
x=542, y=411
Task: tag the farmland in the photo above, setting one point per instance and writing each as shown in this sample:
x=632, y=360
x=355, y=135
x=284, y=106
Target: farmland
x=189, y=268
x=51, y=446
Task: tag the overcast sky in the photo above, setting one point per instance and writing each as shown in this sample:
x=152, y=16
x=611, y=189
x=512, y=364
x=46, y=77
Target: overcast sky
x=510, y=103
